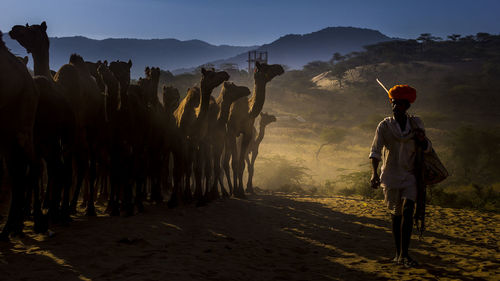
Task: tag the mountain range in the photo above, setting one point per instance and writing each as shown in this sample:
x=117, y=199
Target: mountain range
x=292, y=50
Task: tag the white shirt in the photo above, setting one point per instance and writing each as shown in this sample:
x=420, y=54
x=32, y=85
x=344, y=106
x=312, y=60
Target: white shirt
x=397, y=150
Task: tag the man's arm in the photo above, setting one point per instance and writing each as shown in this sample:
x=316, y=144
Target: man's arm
x=375, y=155
x=375, y=179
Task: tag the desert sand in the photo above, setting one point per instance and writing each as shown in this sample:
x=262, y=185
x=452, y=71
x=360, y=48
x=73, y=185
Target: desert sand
x=266, y=237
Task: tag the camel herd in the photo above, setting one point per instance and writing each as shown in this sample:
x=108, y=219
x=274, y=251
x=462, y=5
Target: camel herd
x=87, y=132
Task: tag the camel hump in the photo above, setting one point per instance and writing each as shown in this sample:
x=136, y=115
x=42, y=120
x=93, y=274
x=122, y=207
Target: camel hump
x=68, y=79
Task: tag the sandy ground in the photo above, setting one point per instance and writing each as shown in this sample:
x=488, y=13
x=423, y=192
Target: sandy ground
x=267, y=237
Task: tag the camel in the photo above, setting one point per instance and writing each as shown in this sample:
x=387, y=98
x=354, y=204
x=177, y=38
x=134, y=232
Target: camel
x=157, y=134
x=82, y=92
x=92, y=120
x=192, y=122
x=125, y=130
x=121, y=149
x=171, y=99
x=218, y=116
x=121, y=70
x=55, y=121
x=18, y=105
x=92, y=67
x=241, y=119
x=253, y=147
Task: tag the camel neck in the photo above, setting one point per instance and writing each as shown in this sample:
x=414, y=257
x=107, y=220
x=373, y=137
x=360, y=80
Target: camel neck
x=256, y=102
x=262, y=131
x=204, y=102
x=41, y=63
x=224, y=108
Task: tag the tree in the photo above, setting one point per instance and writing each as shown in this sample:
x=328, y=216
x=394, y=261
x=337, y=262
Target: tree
x=339, y=72
x=316, y=67
x=476, y=155
x=454, y=37
x=331, y=136
x=337, y=57
x=427, y=38
x=482, y=36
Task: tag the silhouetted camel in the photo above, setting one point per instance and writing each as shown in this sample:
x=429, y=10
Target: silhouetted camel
x=219, y=113
x=18, y=103
x=241, y=119
x=253, y=147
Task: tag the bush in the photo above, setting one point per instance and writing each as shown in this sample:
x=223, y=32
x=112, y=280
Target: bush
x=484, y=198
x=291, y=188
x=357, y=183
x=276, y=172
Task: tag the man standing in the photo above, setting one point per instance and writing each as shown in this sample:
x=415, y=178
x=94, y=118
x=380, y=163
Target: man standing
x=395, y=143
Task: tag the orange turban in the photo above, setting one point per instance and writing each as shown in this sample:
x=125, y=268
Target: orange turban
x=403, y=92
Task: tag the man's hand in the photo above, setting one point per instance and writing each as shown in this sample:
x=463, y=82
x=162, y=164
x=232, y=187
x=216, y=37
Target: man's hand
x=420, y=134
x=375, y=181
x=420, y=138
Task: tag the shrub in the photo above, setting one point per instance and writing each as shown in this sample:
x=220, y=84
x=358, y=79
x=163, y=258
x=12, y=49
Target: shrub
x=277, y=172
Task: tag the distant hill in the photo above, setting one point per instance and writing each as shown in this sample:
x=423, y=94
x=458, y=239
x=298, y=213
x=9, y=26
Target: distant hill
x=163, y=53
x=183, y=56
x=296, y=50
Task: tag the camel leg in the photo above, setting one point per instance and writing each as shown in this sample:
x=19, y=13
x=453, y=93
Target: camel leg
x=117, y=181
x=234, y=168
x=140, y=193
x=198, y=166
x=134, y=167
x=217, y=152
x=251, y=164
x=40, y=221
x=188, y=196
x=81, y=169
x=92, y=180
x=230, y=146
x=67, y=173
x=208, y=172
x=175, y=197
x=54, y=170
x=156, y=167
x=238, y=191
x=17, y=164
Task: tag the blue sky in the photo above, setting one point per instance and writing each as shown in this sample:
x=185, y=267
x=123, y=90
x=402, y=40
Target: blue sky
x=248, y=22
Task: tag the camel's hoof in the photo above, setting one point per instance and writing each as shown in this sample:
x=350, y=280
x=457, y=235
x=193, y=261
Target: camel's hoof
x=90, y=211
x=40, y=227
x=240, y=196
x=172, y=203
x=129, y=212
x=72, y=210
x=66, y=218
x=140, y=207
x=115, y=212
x=201, y=203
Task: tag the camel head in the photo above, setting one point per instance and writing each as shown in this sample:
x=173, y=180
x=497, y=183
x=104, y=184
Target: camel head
x=231, y=92
x=152, y=73
x=105, y=74
x=77, y=60
x=121, y=70
x=211, y=79
x=32, y=37
x=171, y=98
x=24, y=59
x=266, y=72
x=266, y=119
